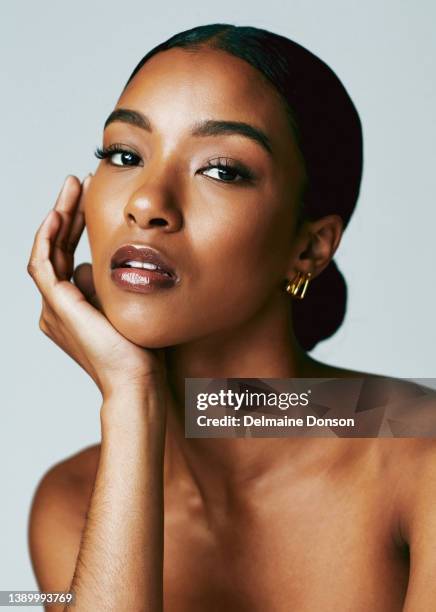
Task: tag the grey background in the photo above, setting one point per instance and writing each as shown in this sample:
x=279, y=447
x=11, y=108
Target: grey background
x=63, y=65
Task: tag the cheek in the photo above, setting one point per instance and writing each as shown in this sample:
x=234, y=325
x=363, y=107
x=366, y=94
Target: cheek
x=253, y=243
x=242, y=260
x=103, y=216
x=98, y=233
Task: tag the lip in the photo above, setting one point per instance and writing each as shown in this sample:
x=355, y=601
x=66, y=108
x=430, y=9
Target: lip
x=140, y=279
x=145, y=254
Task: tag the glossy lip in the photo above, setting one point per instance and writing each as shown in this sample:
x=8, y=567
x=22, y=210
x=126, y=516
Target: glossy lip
x=144, y=254
x=141, y=281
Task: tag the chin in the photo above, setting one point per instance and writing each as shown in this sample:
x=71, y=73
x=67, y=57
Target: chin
x=144, y=331
x=146, y=334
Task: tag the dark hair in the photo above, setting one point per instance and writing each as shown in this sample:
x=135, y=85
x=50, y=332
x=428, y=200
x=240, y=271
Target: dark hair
x=328, y=132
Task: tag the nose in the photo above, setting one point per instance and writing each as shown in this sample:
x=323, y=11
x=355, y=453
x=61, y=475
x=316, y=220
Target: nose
x=150, y=206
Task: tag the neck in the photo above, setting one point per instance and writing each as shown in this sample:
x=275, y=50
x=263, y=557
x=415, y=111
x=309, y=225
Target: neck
x=264, y=347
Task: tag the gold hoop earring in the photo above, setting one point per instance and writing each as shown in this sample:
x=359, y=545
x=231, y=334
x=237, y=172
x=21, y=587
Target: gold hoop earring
x=298, y=287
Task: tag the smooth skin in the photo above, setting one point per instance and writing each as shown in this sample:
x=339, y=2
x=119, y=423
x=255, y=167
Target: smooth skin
x=150, y=520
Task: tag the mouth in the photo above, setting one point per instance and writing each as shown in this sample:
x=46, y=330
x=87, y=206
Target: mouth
x=142, y=258
x=141, y=269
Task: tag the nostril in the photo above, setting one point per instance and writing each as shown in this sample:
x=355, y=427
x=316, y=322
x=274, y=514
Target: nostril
x=158, y=221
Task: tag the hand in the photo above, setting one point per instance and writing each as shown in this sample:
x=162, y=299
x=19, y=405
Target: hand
x=70, y=313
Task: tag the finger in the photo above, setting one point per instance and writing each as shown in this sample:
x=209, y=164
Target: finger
x=39, y=265
x=65, y=205
x=78, y=222
x=82, y=277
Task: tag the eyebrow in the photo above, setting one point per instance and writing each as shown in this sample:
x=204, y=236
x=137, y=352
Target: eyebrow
x=209, y=127
x=129, y=116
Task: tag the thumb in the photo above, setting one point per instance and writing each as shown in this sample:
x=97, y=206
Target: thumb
x=82, y=277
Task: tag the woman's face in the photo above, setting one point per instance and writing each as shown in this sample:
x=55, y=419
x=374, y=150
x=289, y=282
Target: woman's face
x=228, y=231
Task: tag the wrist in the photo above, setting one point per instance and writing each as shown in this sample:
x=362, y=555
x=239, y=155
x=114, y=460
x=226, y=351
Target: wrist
x=137, y=387
x=127, y=406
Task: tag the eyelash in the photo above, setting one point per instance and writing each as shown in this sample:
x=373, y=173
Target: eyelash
x=224, y=164
x=220, y=163
x=107, y=152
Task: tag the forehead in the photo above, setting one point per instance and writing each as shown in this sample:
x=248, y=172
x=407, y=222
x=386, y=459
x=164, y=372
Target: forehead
x=178, y=87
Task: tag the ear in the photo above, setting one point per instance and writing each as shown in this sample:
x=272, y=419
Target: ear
x=315, y=245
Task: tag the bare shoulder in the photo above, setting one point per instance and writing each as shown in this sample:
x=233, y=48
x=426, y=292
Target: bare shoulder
x=57, y=517
x=406, y=468
x=417, y=464
x=407, y=457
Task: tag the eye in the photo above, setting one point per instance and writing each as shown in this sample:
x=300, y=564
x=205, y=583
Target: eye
x=118, y=155
x=226, y=170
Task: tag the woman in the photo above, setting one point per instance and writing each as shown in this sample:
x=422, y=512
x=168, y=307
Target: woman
x=232, y=161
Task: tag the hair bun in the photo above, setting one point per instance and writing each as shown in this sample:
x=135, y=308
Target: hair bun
x=322, y=310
